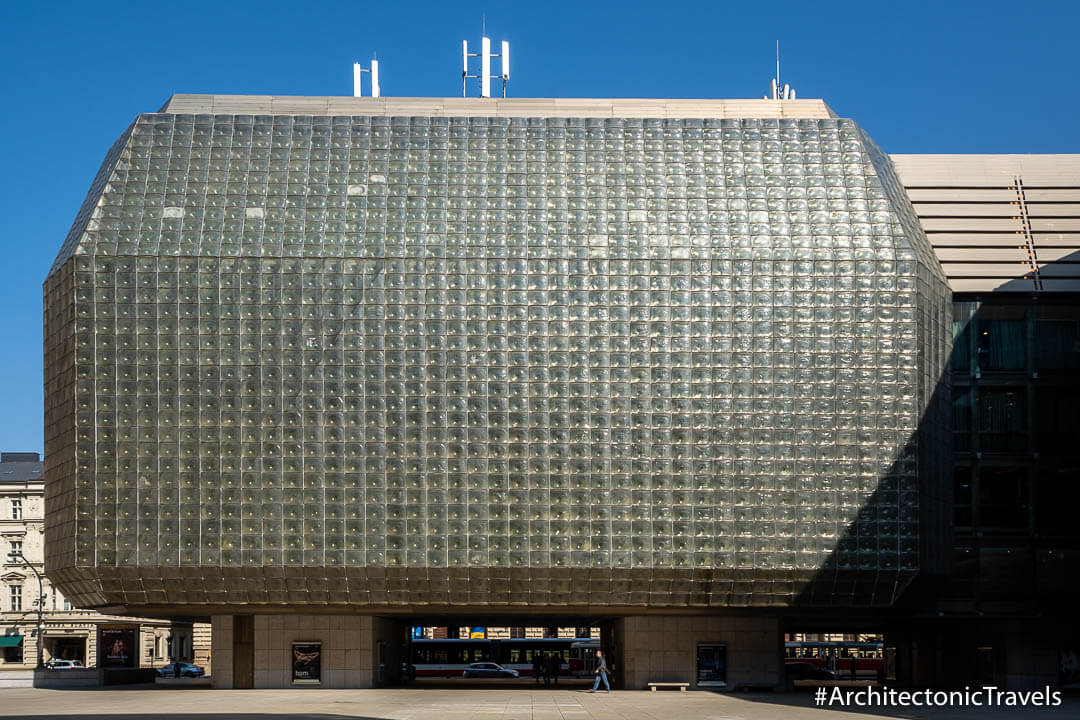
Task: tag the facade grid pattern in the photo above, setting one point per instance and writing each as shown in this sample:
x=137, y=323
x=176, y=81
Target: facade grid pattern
x=692, y=349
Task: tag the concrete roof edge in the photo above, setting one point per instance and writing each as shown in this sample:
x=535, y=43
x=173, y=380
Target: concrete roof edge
x=181, y=103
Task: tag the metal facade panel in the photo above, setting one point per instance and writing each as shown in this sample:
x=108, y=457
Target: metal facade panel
x=971, y=209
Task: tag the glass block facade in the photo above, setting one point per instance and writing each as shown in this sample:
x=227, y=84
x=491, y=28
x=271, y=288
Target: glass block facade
x=371, y=361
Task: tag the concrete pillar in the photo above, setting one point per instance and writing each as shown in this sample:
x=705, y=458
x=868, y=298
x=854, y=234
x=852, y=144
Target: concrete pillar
x=347, y=645
x=664, y=649
x=221, y=647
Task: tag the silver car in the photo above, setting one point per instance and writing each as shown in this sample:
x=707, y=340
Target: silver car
x=65, y=665
x=488, y=670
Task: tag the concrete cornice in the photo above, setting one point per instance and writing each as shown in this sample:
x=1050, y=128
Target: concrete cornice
x=496, y=107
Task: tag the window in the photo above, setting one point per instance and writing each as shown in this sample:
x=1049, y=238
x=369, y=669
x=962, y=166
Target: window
x=1057, y=424
x=1057, y=495
x=1002, y=420
x=67, y=605
x=964, y=579
x=1057, y=338
x=962, y=496
x=16, y=509
x=16, y=598
x=1002, y=340
x=963, y=325
x=13, y=654
x=961, y=400
x=15, y=547
x=1003, y=498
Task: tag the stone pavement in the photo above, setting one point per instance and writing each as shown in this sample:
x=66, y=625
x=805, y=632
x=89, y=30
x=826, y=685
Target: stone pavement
x=451, y=704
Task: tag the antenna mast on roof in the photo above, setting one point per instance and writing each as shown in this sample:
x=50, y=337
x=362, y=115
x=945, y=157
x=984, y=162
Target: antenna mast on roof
x=358, y=73
x=776, y=90
x=485, y=56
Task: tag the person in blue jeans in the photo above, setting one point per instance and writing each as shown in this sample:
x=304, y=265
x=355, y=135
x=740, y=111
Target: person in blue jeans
x=601, y=673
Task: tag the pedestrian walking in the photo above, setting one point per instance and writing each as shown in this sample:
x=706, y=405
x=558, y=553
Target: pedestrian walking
x=547, y=670
x=601, y=673
x=537, y=667
x=554, y=663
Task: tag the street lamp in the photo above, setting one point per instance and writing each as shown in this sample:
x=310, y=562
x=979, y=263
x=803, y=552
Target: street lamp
x=15, y=556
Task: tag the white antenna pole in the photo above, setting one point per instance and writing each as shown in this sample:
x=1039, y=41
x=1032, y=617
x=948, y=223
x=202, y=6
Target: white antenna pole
x=357, y=79
x=505, y=57
x=484, y=76
x=485, y=67
x=464, y=64
x=777, y=89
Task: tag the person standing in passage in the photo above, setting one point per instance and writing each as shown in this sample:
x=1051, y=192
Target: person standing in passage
x=537, y=666
x=601, y=673
x=554, y=663
x=545, y=667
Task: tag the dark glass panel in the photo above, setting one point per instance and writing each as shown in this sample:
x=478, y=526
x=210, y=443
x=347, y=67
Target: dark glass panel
x=1057, y=497
x=1003, y=497
x=962, y=330
x=961, y=418
x=1002, y=338
x=1002, y=420
x=965, y=572
x=1057, y=338
x=962, y=496
x=1057, y=420
x=1006, y=573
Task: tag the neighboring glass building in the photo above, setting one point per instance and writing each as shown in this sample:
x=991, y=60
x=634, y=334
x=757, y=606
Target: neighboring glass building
x=594, y=358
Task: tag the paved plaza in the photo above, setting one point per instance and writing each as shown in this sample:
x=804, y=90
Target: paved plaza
x=452, y=704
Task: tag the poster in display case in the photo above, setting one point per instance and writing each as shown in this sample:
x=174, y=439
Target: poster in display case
x=306, y=663
x=118, y=647
x=712, y=665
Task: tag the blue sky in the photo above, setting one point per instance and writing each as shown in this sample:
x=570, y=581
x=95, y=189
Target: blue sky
x=920, y=77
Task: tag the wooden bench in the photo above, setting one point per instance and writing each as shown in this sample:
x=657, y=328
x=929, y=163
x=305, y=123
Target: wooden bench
x=681, y=685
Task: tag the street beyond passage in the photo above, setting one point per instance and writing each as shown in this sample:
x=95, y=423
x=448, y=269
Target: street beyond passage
x=129, y=703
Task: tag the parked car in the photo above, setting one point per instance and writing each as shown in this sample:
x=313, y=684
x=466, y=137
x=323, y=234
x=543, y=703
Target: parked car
x=807, y=671
x=488, y=670
x=186, y=670
x=65, y=665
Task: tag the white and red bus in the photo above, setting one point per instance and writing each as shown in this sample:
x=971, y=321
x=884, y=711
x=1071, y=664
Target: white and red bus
x=448, y=658
x=838, y=656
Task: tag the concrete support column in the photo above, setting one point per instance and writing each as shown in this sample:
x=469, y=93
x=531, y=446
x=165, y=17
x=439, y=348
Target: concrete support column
x=658, y=648
x=347, y=649
x=221, y=651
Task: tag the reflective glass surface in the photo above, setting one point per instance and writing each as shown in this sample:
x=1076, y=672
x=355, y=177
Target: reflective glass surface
x=692, y=352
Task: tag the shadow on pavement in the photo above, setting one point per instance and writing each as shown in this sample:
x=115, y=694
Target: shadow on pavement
x=204, y=716
x=458, y=683
x=143, y=687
